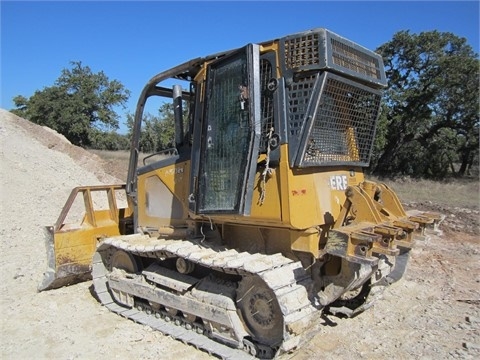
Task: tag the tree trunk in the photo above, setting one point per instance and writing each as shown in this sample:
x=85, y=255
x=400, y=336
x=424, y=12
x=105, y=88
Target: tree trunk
x=465, y=161
x=385, y=161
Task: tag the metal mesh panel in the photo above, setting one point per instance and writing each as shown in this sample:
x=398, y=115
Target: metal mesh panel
x=227, y=138
x=355, y=60
x=298, y=95
x=302, y=51
x=266, y=73
x=321, y=49
x=344, y=125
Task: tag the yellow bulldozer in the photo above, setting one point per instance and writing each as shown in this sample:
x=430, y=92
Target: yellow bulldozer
x=259, y=220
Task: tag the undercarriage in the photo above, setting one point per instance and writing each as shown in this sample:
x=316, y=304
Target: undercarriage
x=219, y=300
x=233, y=304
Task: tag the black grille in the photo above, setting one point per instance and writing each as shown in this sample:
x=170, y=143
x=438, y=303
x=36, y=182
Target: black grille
x=320, y=49
x=348, y=57
x=299, y=94
x=343, y=128
x=266, y=74
x=302, y=51
x=227, y=135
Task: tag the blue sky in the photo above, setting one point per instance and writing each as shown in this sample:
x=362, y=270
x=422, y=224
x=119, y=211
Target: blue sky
x=131, y=41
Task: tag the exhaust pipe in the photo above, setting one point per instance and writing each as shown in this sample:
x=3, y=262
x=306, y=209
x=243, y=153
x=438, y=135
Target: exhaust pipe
x=178, y=115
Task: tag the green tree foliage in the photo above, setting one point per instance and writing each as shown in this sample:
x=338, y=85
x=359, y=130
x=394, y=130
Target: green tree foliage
x=79, y=105
x=108, y=140
x=430, y=119
x=158, y=132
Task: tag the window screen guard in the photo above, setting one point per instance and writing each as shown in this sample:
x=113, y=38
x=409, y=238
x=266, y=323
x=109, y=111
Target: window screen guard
x=230, y=134
x=337, y=124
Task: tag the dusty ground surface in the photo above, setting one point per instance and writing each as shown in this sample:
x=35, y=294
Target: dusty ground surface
x=432, y=313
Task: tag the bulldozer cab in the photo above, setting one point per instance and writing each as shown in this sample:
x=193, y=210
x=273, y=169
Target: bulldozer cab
x=223, y=136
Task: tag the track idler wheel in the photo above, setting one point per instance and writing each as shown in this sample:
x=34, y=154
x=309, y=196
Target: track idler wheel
x=124, y=261
x=260, y=311
x=184, y=266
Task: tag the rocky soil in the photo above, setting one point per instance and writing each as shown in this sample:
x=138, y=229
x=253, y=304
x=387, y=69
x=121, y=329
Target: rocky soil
x=432, y=313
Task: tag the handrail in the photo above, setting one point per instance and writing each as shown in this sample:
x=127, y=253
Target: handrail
x=168, y=152
x=87, y=198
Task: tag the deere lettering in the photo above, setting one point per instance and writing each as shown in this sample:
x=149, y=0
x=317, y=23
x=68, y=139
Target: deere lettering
x=338, y=182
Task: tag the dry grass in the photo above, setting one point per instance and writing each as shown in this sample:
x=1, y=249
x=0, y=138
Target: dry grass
x=117, y=161
x=462, y=193
x=122, y=155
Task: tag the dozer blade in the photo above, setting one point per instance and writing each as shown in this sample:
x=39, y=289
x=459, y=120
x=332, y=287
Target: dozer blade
x=70, y=247
x=68, y=259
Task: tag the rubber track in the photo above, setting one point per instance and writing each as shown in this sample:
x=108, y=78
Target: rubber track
x=287, y=279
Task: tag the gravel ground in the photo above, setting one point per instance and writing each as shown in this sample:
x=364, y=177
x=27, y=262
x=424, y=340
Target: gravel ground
x=432, y=313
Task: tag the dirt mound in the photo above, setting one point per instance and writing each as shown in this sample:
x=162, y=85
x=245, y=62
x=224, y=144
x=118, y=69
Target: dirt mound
x=432, y=313
x=52, y=140
x=39, y=169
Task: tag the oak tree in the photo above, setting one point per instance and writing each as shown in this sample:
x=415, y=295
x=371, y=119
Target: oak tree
x=78, y=105
x=430, y=120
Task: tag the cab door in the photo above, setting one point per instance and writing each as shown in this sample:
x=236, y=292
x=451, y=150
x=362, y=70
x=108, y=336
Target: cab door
x=225, y=166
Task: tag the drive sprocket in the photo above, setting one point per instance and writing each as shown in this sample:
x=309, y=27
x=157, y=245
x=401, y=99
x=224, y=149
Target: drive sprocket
x=260, y=310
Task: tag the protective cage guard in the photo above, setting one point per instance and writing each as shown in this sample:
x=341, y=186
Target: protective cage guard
x=230, y=134
x=338, y=126
x=320, y=49
x=332, y=99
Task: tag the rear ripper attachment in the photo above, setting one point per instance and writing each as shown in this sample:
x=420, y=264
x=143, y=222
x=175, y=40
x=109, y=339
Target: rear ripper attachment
x=374, y=232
